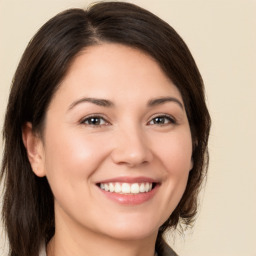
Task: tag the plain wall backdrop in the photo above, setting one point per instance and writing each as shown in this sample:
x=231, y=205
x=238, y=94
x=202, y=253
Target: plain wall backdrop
x=222, y=38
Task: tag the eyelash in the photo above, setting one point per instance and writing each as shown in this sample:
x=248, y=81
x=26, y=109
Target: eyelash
x=96, y=121
x=170, y=120
x=89, y=119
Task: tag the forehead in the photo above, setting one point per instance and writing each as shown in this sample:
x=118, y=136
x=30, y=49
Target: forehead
x=115, y=70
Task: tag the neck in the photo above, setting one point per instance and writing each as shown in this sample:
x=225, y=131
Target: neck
x=57, y=247
x=70, y=239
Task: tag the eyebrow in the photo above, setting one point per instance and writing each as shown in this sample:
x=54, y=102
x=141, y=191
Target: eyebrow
x=162, y=100
x=96, y=101
x=108, y=103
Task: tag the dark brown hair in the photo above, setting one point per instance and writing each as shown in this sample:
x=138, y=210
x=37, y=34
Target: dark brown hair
x=28, y=210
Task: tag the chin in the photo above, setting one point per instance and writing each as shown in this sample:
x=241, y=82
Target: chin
x=133, y=235
x=128, y=230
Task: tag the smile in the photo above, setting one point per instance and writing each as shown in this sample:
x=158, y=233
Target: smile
x=127, y=188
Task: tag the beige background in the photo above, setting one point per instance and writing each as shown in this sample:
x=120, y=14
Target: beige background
x=222, y=38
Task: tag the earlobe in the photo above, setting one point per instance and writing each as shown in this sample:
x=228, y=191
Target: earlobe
x=35, y=150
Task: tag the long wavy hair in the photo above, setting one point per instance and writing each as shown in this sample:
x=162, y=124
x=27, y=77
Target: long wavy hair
x=28, y=203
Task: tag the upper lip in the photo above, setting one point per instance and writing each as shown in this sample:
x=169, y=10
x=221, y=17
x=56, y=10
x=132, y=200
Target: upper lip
x=126, y=179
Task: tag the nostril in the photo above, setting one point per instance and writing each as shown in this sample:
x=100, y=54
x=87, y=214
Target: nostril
x=131, y=150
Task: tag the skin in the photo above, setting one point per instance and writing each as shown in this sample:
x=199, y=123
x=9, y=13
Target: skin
x=126, y=141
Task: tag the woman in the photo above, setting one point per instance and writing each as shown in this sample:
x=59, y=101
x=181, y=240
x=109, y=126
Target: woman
x=105, y=134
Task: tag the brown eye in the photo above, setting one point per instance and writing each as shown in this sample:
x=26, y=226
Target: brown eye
x=94, y=121
x=162, y=120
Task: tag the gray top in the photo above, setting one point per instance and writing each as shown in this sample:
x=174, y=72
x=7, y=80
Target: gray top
x=167, y=251
x=42, y=251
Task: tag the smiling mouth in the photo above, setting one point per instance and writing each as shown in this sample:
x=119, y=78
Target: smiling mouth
x=127, y=188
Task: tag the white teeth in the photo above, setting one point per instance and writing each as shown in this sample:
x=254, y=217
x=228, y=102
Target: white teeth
x=118, y=188
x=111, y=187
x=135, y=189
x=142, y=188
x=126, y=188
x=147, y=187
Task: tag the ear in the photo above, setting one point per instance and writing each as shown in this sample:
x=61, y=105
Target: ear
x=35, y=150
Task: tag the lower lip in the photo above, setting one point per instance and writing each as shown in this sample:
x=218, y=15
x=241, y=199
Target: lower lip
x=131, y=199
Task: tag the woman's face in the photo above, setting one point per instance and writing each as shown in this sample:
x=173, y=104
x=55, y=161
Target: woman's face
x=117, y=144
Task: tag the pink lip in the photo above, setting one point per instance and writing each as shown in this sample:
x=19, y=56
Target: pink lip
x=130, y=199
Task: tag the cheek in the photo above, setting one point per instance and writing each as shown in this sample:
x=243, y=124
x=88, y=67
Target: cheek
x=175, y=153
x=71, y=159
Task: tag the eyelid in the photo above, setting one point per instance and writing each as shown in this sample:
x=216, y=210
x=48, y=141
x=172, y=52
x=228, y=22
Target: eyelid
x=171, y=118
x=99, y=116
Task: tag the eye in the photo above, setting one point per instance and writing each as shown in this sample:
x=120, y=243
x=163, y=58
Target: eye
x=162, y=120
x=94, y=121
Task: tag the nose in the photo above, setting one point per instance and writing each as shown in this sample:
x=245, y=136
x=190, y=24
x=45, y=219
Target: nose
x=131, y=148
